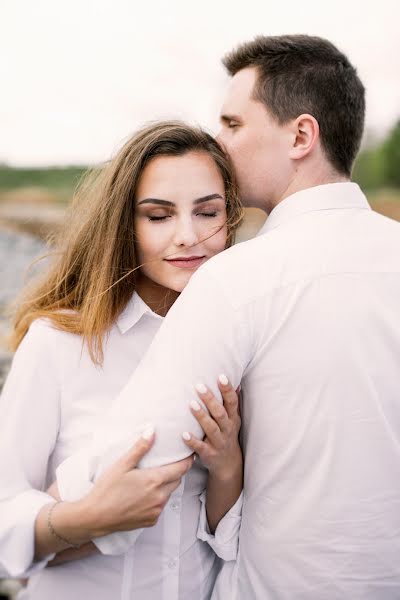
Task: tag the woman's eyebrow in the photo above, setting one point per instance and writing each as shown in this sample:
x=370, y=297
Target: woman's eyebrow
x=156, y=201
x=206, y=198
x=168, y=203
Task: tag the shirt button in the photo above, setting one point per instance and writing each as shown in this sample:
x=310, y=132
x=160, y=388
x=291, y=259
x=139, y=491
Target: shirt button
x=175, y=505
x=172, y=563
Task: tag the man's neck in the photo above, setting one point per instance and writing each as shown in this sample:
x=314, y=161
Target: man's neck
x=306, y=180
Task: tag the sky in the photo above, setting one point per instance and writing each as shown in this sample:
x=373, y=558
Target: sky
x=79, y=76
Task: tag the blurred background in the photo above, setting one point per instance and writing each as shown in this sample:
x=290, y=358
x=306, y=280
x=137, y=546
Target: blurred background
x=79, y=76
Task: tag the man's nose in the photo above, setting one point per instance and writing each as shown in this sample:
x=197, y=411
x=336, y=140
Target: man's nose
x=220, y=139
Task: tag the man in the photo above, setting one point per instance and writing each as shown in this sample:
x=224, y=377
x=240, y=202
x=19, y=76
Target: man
x=306, y=317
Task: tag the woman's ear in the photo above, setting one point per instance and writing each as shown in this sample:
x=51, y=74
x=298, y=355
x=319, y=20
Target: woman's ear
x=305, y=131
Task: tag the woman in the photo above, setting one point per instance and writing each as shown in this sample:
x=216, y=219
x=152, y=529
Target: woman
x=165, y=205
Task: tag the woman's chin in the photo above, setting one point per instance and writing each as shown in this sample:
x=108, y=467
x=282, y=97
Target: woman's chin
x=177, y=282
x=180, y=284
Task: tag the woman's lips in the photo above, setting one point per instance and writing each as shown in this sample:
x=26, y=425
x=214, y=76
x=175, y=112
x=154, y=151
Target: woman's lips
x=188, y=262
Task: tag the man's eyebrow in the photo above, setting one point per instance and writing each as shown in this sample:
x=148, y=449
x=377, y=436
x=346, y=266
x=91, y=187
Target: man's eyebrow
x=225, y=118
x=168, y=203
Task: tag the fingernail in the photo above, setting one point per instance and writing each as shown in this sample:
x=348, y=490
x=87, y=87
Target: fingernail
x=223, y=379
x=201, y=388
x=186, y=436
x=148, y=433
x=195, y=405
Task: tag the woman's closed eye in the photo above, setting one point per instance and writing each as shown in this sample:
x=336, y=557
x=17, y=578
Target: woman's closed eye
x=155, y=218
x=208, y=214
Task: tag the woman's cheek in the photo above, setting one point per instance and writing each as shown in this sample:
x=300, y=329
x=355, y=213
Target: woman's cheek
x=217, y=240
x=151, y=241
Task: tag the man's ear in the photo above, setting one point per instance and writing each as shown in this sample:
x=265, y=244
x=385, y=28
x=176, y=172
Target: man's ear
x=305, y=130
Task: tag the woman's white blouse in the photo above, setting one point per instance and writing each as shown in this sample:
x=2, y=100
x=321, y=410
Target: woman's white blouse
x=50, y=404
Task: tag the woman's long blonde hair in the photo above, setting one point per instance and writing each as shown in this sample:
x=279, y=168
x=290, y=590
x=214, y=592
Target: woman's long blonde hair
x=93, y=268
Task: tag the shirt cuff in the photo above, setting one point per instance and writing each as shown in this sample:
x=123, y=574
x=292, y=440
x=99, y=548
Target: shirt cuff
x=74, y=477
x=17, y=527
x=225, y=541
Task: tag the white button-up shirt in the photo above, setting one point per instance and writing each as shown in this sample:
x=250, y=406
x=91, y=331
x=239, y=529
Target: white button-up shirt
x=307, y=316
x=51, y=402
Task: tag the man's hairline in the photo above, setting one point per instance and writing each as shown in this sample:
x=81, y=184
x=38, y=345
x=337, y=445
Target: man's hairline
x=255, y=95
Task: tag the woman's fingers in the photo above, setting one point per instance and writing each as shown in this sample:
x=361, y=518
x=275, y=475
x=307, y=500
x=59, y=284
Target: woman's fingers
x=173, y=472
x=230, y=397
x=217, y=420
x=221, y=425
x=134, y=455
x=194, y=444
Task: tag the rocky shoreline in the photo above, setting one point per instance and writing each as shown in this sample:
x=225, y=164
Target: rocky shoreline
x=17, y=251
x=37, y=219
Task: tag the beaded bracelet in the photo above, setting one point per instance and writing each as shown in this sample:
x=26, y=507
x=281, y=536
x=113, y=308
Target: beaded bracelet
x=54, y=532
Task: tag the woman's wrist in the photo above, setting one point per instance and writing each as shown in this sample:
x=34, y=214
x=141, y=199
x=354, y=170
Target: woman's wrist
x=94, y=521
x=228, y=472
x=223, y=489
x=72, y=521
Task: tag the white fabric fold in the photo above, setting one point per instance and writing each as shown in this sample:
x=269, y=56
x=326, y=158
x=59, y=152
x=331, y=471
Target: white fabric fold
x=225, y=540
x=17, y=523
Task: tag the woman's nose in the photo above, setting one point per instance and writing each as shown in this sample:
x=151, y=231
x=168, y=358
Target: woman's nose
x=185, y=233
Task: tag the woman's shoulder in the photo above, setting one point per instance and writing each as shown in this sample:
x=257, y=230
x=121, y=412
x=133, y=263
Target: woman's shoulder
x=39, y=339
x=44, y=349
x=44, y=332
x=36, y=361
x=43, y=326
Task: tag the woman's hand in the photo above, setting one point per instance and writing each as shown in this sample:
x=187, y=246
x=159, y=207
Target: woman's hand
x=125, y=497
x=122, y=498
x=220, y=450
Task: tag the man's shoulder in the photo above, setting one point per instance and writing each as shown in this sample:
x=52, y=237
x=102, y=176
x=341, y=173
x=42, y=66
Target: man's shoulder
x=383, y=221
x=240, y=254
x=261, y=252
x=246, y=270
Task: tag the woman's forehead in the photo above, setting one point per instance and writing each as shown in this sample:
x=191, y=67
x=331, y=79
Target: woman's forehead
x=192, y=175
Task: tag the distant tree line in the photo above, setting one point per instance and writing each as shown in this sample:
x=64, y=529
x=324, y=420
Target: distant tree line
x=379, y=166
x=46, y=177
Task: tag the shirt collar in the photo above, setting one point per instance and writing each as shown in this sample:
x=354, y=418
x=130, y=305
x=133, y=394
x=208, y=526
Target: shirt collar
x=321, y=197
x=133, y=312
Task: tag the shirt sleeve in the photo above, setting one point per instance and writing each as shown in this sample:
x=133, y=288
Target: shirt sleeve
x=225, y=540
x=29, y=423
x=203, y=335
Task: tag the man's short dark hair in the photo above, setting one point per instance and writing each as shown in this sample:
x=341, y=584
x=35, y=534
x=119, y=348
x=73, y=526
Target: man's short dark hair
x=304, y=74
